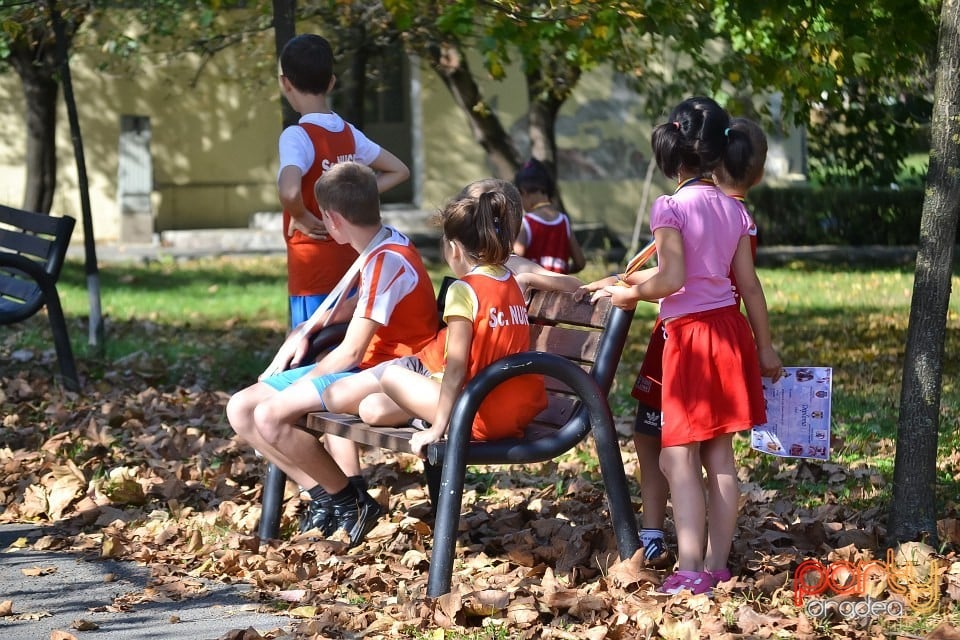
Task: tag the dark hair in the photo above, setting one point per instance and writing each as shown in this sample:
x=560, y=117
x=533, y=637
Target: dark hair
x=482, y=224
x=307, y=62
x=694, y=137
x=745, y=137
x=514, y=203
x=350, y=189
x=534, y=176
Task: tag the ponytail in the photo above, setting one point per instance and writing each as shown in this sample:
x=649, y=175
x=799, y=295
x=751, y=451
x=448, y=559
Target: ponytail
x=692, y=138
x=737, y=155
x=493, y=227
x=483, y=224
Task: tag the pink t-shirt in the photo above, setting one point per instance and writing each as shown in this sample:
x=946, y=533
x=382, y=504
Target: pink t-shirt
x=711, y=224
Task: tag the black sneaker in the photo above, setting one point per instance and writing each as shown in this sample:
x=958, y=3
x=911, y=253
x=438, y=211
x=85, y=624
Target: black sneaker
x=357, y=519
x=318, y=516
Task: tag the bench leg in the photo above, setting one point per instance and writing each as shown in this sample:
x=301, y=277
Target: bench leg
x=448, y=504
x=615, y=482
x=61, y=340
x=432, y=473
x=271, y=503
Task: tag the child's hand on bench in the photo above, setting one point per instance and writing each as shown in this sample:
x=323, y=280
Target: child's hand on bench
x=420, y=440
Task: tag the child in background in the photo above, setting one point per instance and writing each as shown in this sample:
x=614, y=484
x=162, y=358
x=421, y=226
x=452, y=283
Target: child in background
x=394, y=314
x=545, y=236
x=712, y=363
x=528, y=273
x=486, y=320
x=315, y=263
x=646, y=389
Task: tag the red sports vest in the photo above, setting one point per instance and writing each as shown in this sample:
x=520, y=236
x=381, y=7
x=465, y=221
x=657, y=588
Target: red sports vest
x=315, y=266
x=548, y=243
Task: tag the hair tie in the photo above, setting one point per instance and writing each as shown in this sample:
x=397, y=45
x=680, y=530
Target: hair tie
x=726, y=132
x=676, y=124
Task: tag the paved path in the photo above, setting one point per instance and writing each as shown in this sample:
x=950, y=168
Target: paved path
x=73, y=588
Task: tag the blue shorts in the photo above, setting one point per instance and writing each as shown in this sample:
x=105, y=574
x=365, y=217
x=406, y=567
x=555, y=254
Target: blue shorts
x=284, y=379
x=302, y=307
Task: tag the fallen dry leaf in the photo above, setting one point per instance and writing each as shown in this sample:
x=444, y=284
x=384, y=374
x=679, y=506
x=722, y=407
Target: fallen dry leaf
x=84, y=625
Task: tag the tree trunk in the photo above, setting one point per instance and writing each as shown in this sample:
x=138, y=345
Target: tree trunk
x=543, y=107
x=40, y=89
x=913, y=513
x=284, y=29
x=451, y=65
x=95, y=335
x=354, y=87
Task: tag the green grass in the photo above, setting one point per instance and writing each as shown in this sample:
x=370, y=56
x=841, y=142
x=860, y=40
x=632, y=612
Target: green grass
x=217, y=321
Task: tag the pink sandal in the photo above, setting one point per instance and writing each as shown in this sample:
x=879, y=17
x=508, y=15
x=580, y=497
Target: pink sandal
x=721, y=575
x=696, y=582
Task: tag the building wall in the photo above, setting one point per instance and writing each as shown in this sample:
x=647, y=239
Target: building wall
x=214, y=135
x=213, y=145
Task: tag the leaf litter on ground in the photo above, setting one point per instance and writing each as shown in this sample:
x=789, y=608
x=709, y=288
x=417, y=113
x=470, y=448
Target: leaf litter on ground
x=134, y=471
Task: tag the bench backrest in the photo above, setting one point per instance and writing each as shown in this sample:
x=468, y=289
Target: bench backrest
x=32, y=250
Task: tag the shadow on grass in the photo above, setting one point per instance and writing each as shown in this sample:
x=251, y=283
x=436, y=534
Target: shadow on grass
x=174, y=275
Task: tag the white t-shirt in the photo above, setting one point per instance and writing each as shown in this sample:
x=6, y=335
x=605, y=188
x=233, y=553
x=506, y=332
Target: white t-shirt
x=386, y=279
x=297, y=150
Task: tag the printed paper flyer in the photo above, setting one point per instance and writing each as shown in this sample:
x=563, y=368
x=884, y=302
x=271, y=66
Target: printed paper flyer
x=798, y=414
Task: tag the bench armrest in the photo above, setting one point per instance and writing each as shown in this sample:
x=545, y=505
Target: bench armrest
x=32, y=268
x=468, y=402
x=323, y=340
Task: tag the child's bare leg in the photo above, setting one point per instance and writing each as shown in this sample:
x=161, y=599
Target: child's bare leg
x=264, y=417
x=681, y=466
x=345, y=453
x=344, y=395
x=240, y=414
x=653, y=484
x=414, y=393
x=379, y=409
x=723, y=493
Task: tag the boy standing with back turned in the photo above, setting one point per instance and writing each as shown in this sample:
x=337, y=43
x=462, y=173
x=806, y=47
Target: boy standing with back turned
x=315, y=263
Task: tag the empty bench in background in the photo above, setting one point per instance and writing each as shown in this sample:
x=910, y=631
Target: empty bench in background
x=576, y=346
x=32, y=251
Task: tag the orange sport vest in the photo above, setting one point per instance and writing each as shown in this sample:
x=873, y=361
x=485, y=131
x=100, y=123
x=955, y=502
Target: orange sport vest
x=315, y=266
x=500, y=328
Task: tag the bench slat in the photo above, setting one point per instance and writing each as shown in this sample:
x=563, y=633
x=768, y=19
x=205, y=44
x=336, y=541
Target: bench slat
x=573, y=344
x=352, y=428
x=558, y=411
x=25, y=244
x=29, y=221
x=552, y=307
x=14, y=286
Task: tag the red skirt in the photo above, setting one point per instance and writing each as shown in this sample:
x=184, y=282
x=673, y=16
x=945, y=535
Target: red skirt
x=711, y=377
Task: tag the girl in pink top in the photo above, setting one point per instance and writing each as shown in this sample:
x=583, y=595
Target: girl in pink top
x=712, y=362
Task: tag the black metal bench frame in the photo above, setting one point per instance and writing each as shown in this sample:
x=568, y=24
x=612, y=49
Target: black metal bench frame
x=582, y=410
x=32, y=251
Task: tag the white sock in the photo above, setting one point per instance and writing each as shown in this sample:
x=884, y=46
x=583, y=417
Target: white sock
x=649, y=535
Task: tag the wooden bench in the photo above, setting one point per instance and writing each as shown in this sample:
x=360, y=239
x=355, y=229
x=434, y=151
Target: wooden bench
x=577, y=347
x=32, y=250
